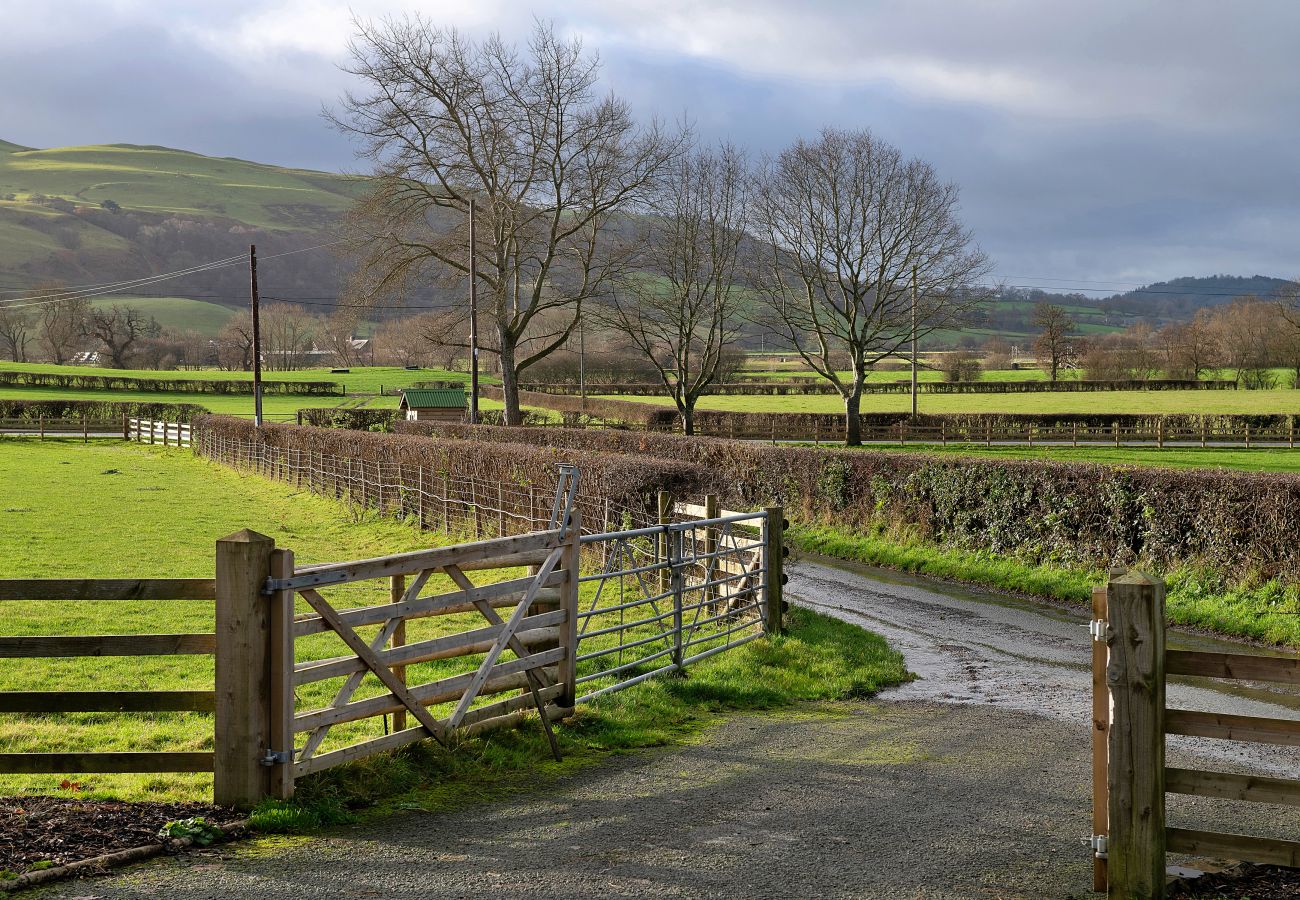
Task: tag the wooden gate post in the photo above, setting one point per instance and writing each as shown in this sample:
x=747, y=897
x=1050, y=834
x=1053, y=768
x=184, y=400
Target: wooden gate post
x=661, y=541
x=775, y=555
x=569, y=562
x=1136, y=771
x=712, y=509
x=243, y=663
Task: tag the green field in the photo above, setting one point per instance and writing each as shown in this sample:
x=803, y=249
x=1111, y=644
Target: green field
x=163, y=180
x=178, y=314
x=112, y=509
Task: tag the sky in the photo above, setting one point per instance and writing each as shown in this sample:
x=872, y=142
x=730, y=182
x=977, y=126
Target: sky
x=1097, y=145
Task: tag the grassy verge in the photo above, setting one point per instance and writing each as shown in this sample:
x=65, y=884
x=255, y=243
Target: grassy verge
x=1269, y=459
x=1265, y=610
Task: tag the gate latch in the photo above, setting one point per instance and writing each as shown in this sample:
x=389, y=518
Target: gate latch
x=276, y=758
x=1097, y=628
x=1099, y=845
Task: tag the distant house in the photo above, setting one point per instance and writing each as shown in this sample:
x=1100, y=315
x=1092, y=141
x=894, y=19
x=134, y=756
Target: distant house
x=433, y=404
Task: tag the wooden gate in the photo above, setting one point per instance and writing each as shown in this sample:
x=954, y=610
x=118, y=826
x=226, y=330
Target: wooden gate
x=1130, y=722
x=470, y=659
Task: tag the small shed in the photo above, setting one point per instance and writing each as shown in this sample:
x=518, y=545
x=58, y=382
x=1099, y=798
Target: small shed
x=433, y=404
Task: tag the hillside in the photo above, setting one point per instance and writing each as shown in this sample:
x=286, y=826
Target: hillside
x=99, y=213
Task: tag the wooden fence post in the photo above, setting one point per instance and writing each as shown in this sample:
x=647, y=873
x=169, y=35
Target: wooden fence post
x=775, y=553
x=243, y=664
x=1100, y=736
x=396, y=590
x=280, y=610
x=1135, y=606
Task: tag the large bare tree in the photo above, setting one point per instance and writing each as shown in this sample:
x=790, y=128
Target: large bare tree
x=60, y=321
x=680, y=308
x=1054, y=346
x=847, y=219
x=525, y=133
x=118, y=328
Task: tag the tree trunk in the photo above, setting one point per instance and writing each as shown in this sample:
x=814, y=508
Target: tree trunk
x=509, y=381
x=688, y=418
x=853, y=419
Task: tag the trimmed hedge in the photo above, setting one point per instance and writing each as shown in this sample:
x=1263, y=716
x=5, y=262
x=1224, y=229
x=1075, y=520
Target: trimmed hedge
x=70, y=381
x=1243, y=525
x=98, y=410
x=773, y=388
x=629, y=482
x=357, y=419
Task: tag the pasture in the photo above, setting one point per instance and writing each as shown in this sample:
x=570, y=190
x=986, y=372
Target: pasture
x=110, y=509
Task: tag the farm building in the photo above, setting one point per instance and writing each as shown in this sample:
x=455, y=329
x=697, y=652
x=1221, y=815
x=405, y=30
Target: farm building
x=433, y=404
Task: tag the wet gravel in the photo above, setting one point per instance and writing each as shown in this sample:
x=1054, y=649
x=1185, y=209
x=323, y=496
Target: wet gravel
x=972, y=782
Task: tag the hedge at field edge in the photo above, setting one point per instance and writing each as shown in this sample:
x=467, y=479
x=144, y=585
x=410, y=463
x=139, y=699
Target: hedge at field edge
x=1241, y=524
x=98, y=410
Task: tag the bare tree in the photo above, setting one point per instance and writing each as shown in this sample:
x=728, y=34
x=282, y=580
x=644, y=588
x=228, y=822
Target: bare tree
x=288, y=336
x=1249, y=336
x=337, y=333
x=847, y=220
x=235, y=345
x=1054, y=347
x=680, y=310
x=15, y=331
x=549, y=162
x=60, y=323
x=118, y=328
x=1191, y=349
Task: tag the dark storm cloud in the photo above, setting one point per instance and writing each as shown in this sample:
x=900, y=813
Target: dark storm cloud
x=1106, y=140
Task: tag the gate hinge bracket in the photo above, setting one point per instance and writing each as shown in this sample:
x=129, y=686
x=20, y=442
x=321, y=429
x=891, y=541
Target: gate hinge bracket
x=276, y=758
x=1097, y=628
x=1099, y=844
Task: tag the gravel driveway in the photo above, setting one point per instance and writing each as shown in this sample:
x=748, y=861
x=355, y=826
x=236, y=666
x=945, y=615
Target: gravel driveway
x=947, y=788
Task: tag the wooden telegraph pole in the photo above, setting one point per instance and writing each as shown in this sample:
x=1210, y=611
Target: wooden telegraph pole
x=913, y=343
x=473, y=320
x=257, y=337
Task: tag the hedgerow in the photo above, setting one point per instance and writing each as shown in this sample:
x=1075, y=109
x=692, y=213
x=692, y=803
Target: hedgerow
x=98, y=410
x=73, y=381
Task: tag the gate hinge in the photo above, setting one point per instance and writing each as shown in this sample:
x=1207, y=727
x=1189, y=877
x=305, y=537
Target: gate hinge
x=276, y=758
x=1097, y=628
x=1099, y=845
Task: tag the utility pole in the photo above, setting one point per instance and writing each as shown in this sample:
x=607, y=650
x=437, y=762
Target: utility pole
x=473, y=320
x=913, y=343
x=257, y=337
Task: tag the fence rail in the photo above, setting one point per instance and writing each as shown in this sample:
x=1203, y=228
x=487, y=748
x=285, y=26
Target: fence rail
x=146, y=431
x=52, y=425
x=53, y=700
x=1131, y=720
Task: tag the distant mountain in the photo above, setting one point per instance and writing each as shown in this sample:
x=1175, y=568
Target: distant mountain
x=1180, y=298
x=118, y=211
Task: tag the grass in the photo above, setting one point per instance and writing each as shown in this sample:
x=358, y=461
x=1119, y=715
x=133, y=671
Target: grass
x=1265, y=611
x=365, y=381
x=110, y=509
x=1257, y=460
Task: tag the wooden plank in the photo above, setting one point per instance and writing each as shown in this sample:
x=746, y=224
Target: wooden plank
x=502, y=593
x=358, y=646
x=1233, y=728
x=486, y=553
x=243, y=669
x=533, y=630
x=280, y=702
x=76, y=763
x=1100, y=738
x=504, y=676
x=107, y=701
x=694, y=510
x=1241, y=847
x=499, y=646
x=1285, y=669
x=1136, y=750
x=1230, y=786
x=108, y=645
x=108, y=589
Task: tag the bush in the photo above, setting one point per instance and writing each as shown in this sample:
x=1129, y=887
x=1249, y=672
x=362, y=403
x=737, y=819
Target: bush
x=98, y=410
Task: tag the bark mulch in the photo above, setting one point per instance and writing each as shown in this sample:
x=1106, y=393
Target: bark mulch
x=44, y=831
x=1241, y=882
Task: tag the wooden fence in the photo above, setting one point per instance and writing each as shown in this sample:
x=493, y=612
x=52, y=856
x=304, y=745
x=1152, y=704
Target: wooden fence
x=1130, y=722
x=55, y=425
x=145, y=431
x=51, y=699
